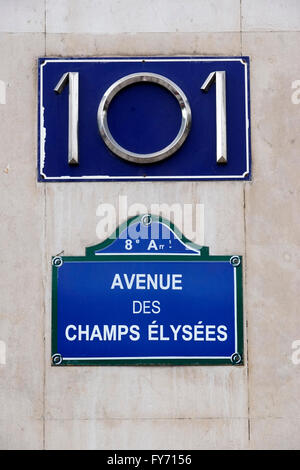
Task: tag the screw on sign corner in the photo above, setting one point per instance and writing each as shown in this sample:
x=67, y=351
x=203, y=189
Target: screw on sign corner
x=57, y=359
x=146, y=219
x=57, y=261
x=236, y=358
x=235, y=261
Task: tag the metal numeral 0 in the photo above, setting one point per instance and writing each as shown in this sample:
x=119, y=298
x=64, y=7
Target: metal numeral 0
x=73, y=79
x=186, y=118
x=220, y=79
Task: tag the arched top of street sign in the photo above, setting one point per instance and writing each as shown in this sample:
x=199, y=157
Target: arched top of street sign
x=147, y=235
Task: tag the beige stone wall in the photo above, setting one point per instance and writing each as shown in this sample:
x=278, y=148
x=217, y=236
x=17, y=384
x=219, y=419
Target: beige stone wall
x=254, y=406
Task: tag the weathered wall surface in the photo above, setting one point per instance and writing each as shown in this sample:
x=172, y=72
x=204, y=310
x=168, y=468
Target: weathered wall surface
x=253, y=406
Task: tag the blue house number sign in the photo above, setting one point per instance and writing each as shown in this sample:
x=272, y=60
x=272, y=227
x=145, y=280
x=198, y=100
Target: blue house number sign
x=144, y=119
x=147, y=295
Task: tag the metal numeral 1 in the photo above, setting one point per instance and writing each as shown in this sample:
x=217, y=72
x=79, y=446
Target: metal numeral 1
x=73, y=79
x=220, y=78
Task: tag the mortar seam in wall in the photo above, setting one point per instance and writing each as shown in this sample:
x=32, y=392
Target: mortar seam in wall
x=245, y=312
x=87, y=33
x=44, y=315
x=241, y=27
x=44, y=264
x=245, y=263
x=45, y=26
x=189, y=418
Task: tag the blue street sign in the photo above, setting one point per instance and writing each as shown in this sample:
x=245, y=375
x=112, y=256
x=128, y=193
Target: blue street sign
x=144, y=119
x=153, y=298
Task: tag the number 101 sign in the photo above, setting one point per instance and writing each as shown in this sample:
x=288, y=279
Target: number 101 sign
x=144, y=119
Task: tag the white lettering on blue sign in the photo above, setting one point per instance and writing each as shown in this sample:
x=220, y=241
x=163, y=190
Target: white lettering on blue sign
x=146, y=306
x=147, y=281
x=155, y=332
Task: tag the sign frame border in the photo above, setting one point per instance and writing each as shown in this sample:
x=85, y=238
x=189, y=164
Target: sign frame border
x=204, y=256
x=42, y=178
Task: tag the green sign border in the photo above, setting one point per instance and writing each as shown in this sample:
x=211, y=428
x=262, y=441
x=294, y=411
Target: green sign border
x=237, y=358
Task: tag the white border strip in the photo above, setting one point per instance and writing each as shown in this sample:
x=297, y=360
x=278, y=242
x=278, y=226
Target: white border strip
x=146, y=357
x=175, y=357
x=139, y=178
